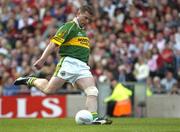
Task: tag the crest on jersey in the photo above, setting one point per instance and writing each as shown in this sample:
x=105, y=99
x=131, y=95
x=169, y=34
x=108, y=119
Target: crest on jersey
x=61, y=34
x=63, y=73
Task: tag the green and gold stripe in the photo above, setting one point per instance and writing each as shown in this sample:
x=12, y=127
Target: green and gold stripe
x=78, y=41
x=58, y=67
x=57, y=40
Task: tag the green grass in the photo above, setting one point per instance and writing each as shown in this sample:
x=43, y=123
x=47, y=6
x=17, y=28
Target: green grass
x=68, y=125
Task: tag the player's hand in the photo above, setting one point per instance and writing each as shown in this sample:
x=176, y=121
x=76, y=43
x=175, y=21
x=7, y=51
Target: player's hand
x=39, y=64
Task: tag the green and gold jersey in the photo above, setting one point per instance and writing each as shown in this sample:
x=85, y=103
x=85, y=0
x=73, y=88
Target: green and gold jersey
x=73, y=41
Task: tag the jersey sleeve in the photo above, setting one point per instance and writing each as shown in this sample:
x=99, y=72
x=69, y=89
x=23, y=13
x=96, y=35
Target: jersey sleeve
x=62, y=33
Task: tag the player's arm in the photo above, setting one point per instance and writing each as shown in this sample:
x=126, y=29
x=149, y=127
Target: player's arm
x=55, y=42
x=49, y=49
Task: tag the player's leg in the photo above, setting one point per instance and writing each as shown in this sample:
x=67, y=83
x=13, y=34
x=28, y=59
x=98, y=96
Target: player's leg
x=42, y=84
x=50, y=86
x=88, y=85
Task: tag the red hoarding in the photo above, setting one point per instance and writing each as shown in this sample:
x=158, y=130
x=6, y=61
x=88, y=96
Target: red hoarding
x=32, y=106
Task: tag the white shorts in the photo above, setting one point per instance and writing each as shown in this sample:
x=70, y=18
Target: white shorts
x=71, y=69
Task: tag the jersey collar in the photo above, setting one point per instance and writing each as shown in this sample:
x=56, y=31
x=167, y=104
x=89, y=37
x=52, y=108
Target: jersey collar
x=76, y=21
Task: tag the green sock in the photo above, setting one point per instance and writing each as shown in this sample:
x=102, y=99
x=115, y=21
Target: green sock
x=31, y=80
x=95, y=115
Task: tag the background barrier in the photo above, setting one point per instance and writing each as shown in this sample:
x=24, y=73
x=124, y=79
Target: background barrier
x=163, y=106
x=32, y=106
x=59, y=106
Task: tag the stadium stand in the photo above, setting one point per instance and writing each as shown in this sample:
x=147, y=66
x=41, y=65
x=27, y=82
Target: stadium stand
x=135, y=40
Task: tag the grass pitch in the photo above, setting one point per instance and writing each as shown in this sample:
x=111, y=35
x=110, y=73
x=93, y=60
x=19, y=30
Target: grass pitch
x=68, y=125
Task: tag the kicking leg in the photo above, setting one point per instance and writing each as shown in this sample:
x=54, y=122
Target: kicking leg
x=44, y=85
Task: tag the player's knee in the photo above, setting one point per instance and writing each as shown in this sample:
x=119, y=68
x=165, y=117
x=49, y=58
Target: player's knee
x=91, y=91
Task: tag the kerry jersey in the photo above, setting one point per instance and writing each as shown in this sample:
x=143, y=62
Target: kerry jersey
x=73, y=41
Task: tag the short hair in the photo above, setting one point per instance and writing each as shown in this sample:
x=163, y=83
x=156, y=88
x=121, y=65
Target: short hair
x=87, y=8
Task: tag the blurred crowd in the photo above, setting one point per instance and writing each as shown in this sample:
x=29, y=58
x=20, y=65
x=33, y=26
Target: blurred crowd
x=131, y=40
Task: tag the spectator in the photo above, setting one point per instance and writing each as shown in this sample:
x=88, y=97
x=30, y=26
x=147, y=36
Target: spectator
x=152, y=63
x=176, y=48
x=141, y=70
x=122, y=74
x=157, y=88
x=175, y=89
x=168, y=81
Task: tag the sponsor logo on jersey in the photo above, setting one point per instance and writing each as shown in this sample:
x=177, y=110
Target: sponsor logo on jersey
x=79, y=41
